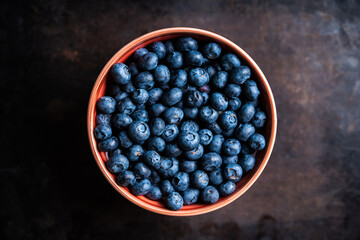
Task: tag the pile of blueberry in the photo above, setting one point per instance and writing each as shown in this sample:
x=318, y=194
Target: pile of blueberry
x=180, y=122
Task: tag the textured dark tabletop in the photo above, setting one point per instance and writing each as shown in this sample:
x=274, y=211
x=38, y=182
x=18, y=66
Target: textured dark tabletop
x=51, y=53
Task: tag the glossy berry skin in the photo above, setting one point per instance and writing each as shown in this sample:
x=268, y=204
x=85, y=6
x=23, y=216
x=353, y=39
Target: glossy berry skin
x=166, y=187
x=154, y=193
x=194, y=58
x=159, y=49
x=234, y=104
x=247, y=162
x=206, y=136
x=259, y=119
x=189, y=126
x=156, y=143
x=186, y=44
x=139, y=96
x=148, y=61
x=232, y=90
x=205, y=97
x=232, y=172
x=125, y=178
x=211, y=161
x=219, y=80
x=117, y=163
x=178, y=78
x=229, y=61
x=199, y=179
x=231, y=147
x=198, y=77
x=215, y=128
x=156, y=110
x=154, y=96
x=181, y=181
x=170, y=133
x=216, y=143
x=187, y=166
x=120, y=73
x=210, y=195
x=244, y=132
x=169, y=46
x=239, y=75
x=157, y=126
x=168, y=167
x=114, y=152
x=103, y=119
x=108, y=144
x=190, y=113
x=227, y=188
x=144, y=80
x=215, y=177
x=152, y=159
x=174, y=60
x=124, y=140
x=141, y=170
x=193, y=99
x=212, y=50
x=120, y=96
x=218, y=101
x=246, y=113
x=139, y=53
x=102, y=132
x=173, y=115
x=140, y=115
x=251, y=90
x=257, y=142
x=173, y=150
x=126, y=106
x=170, y=98
x=161, y=75
x=191, y=196
x=227, y=120
x=106, y=104
x=141, y=188
x=174, y=201
x=135, y=152
x=208, y=114
x=230, y=159
x=210, y=70
x=188, y=140
x=139, y=131
x=195, y=154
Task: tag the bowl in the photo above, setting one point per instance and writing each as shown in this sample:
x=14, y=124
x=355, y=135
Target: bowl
x=266, y=99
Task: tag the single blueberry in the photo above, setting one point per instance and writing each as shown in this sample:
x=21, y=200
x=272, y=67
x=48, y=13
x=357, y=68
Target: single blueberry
x=171, y=97
x=140, y=115
x=198, y=77
x=199, y=179
x=121, y=120
x=215, y=128
x=134, y=153
x=188, y=140
x=208, y=114
x=190, y=195
x=158, y=48
x=230, y=159
x=206, y=136
x=103, y=119
x=227, y=188
x=233, y=172
x=212, y=50
x=168, y=167
x=246, y=113
x=156, y=143
x=244, y=132
x=229, y=61
x=117, y=163
x=178, y=78
x=120, y=73
x=251, y=90
x=181, y=181
x=211, y=161
x=141, y=170
x=231, y=147
x=205, y=97
x=227, y=120
x=120, y=96
x=257, y=142
x=170, y=133
x=186, y=44
x=166, y=187
x=193, y=99
x=155, y=177
x=187, y=166
x=189, y=126
x=234, y=104
x=194, y=58
x=219, y=79
x=247, y=162
x=169, y=46
x=102, y=132
x=161, y=75
x=232, y=90
x=173, y=150
x=190, y=113
x=126, y=106
x=210, y=195
x=154, y=96
x=259, y=119
x=152, y=159
x=174, y=60
x=218, y=101
x=124, y=140
x=139, y=96
x=125, y=178
x=106, y=104
x=148, y=61
x=139, y=131
x=141, y=188
x=154, y=193
x=108, y=144
x=239, y=75
x=144, y=80
x=173, y=115
x=216, y=143
x=157, y=109
x=128, y=88
x=215, y=177
x=139, y=53
x=133, y=69
x=157, y=126
x=195, y=154
x=174, y=201
x=210, y=70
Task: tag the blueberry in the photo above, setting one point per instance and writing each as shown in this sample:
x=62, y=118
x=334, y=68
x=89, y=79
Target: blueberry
x=205, y=97
x=128, y=88
x=157, y=126
x=257, y=142
x=234, y=104
x=246, y=113
x=229, y=61
x=244, y=132
x=208, y=114
x=239, y=75
x=139, y=131
x=173, y=115
x=247, y=162
x=141, y=188
x=210, y=70
x=171, y=97
x=152, y=159
x=126, y=106
x=170, y=133
x=148, y=61
x=121, y=120
x=154, y=193
x=157, y=109
x=102, y=132
x=169, y=46
x=120, y=73
x=156, y=143
x=210, y=195
x=154, y=96
x=211, y=161
x=230, y=159
x=189, y=126
x=140, y=96
x=206, y=136
x=216, y=143
x=259, y=119
x=178, y=78
x=218, y=101
x=114, y=152
x=219, y=79
x=174, y=201
x=161, y=75
x=141, y=170
x=133, y=69
x=193, y=99
x=168, y=167
x=124, y=140
x=155, y=177
x=181, y=181
x=228, y=133
x=134, y=153
x=186, y=44
x=246, y=150
x=125, y=178
x=251, y=90
x=158, y=48
x=113, y=88
x=199, y=179
x=188, y=166
x=117, y=163
x=231, y=147
x=173, y=150
x=212, y=50
x=205, y=89
x=120, y=96
x=215, y=128
x=144, y=80
x=215, y=177
x=188, y=140
x=139, y=53
x=174, y=60
x=198, y=77
x=166, y=187
x=227, y=188
x=195, y=154
x=190, y=113
x=232, y=90
x=227, y=120
x=233, y=172
x=103, y=119
x=194, y=58
x=108, y=144
x=106, y=104
x=190, y=196
x=140, y=115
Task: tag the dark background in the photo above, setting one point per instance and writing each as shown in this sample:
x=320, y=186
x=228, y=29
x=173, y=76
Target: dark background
x=51, y=53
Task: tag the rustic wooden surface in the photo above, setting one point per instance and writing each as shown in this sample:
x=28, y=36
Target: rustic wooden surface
x=51, y=53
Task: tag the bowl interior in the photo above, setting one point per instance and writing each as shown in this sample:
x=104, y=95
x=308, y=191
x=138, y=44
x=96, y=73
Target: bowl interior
x=266, y=100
